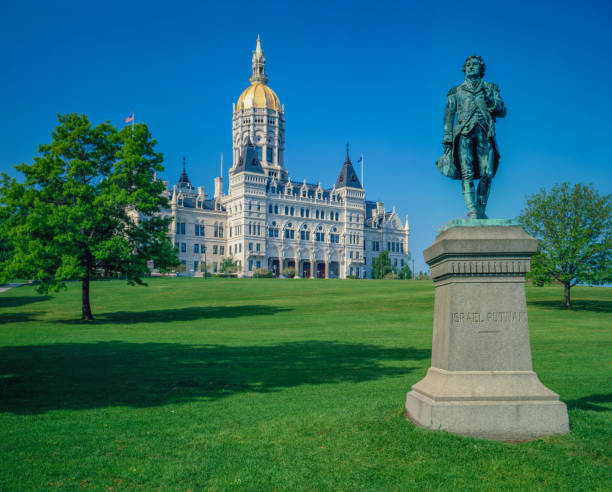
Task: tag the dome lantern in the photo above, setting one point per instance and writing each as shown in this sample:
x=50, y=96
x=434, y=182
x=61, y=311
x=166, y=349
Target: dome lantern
x=259, y=65
x=258, y=95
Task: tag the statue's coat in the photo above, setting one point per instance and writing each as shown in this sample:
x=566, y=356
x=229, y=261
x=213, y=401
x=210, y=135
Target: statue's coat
x=467, y=107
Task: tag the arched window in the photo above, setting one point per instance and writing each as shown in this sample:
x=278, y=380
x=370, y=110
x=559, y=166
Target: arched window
x=273, y=230
x=220, y=230
x=216, y=230
x=289, y=233
x=286, y=210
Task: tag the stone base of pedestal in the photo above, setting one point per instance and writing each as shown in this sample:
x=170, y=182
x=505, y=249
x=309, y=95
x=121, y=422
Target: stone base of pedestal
x=501, y=405
x=481, y=381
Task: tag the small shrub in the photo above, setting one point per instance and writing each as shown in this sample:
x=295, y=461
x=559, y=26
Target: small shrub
x=262, y=273
x=289, y=272
x=228, y=265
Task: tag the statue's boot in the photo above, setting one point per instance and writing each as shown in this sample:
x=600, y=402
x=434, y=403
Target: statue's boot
x=469, y=195
x=482, y=197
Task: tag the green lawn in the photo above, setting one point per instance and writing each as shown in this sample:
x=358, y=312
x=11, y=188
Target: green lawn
x=192, y=384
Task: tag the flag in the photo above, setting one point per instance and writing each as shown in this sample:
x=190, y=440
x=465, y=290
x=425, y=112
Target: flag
x=359, y=160
x=130, y=118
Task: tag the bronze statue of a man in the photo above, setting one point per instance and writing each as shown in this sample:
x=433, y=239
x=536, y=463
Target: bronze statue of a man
x=470, y=149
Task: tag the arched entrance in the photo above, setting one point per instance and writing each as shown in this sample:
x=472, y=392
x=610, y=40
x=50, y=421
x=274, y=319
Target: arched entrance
x=334, y=269
x=320, y=270
x=289, y=264
x=305, y=269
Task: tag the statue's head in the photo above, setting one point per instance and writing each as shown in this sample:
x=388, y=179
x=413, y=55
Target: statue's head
x=473, y=65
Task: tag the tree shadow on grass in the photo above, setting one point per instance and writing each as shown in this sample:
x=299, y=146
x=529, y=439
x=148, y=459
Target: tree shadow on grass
x=178, y=314
x=599, y=306
x=6, y=318
x=590, y=402
x=7, y=302
x=18, y=301
x=37, y=379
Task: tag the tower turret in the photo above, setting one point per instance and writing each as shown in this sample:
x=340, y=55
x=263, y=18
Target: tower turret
x=183, y=181
x=348, y=176
x=258, y=118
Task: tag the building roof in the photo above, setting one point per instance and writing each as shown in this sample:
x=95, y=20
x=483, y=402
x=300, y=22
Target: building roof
x=348, y=176
x=249, y=161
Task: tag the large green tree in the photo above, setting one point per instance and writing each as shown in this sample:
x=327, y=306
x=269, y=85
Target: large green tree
x=381, y=265
x=574, y=226
x=87, y=207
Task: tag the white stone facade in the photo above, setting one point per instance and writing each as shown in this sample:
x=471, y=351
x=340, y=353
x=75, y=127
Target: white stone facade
x=267, y=221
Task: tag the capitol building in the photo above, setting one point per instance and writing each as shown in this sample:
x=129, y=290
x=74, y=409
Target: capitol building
x=269, y=221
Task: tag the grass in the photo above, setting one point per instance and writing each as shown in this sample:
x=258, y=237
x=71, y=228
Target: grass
x=193, y=384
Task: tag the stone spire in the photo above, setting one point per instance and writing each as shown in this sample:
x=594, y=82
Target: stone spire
x=259, y=65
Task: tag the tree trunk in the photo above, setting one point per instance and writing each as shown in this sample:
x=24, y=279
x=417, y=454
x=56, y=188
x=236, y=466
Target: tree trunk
x=86, y=308
x=566, y=296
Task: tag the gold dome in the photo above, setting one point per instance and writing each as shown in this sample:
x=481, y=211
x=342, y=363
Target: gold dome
x=258, y=96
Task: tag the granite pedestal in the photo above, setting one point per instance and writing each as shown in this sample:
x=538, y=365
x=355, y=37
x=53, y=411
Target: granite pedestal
x=481, y=382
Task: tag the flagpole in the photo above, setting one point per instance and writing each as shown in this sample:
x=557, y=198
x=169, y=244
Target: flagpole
x=362, y=185
x=221, y=164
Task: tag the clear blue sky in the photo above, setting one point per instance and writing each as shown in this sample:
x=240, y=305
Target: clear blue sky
x=374, y=74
